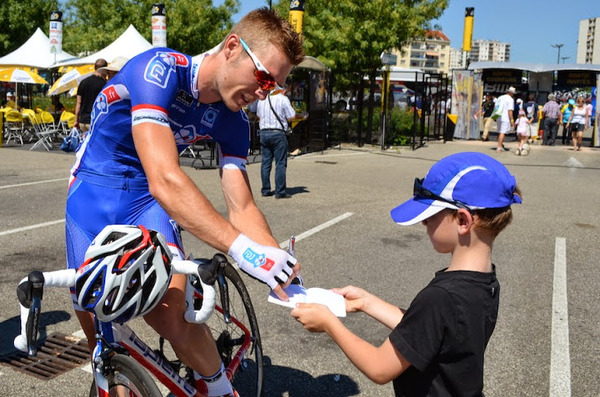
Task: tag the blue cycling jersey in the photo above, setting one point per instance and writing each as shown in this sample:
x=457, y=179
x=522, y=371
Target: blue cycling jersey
x=108, y=184
x=158, y=86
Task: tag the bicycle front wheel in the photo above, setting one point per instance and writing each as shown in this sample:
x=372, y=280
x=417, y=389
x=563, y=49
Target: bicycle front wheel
x=238, y=340
x=128, y=378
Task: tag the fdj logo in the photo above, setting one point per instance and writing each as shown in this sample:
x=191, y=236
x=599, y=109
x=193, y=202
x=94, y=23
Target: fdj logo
x=159, y=69
x=258, y=260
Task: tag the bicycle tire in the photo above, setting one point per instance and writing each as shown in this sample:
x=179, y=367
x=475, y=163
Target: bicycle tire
x=249, y=379
x=132, y=376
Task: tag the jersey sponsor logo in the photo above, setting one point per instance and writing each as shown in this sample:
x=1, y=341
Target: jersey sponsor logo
x=180, y=59
x=107, y=96
x=258, y=260
x=159, y=69
x=142, y=118
x=209, y=117
x=184, y=98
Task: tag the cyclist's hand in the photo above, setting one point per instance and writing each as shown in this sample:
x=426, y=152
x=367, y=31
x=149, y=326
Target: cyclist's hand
x=313, y=316
x=354, y=297
x=270, y=265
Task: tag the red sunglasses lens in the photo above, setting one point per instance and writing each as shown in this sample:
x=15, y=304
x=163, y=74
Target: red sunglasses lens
x=265, y=80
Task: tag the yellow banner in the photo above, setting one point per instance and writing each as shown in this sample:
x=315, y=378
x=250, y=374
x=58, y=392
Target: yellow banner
x=297, y=20
x=468, y=29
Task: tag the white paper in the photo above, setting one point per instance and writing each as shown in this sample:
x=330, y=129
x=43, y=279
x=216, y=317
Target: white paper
x=299, y=294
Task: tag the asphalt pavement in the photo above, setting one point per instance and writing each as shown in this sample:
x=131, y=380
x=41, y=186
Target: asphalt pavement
x=340, y=212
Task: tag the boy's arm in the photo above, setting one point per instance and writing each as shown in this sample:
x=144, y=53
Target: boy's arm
x=384, y=312
x=380, y=364
x=357, y=299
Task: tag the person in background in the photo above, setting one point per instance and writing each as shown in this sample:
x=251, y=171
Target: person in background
x=437, y=345
x=578, y=119
x=590, y=108
x=274, y=113
x=10, y=101
x=532, y=109
x=506, y=121
x=551, y=114
x=522, y=130
x=88, y=90
x=113, y=68
x=566, y=111
x=486, y=111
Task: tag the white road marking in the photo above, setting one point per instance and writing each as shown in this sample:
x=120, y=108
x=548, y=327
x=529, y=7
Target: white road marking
x=316, y=229
x=560, y=362
x=23, y=229
x=34, y=183
x=312, y=156
x=572, y=162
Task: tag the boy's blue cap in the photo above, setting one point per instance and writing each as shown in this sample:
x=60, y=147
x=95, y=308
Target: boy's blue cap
x=473, y=179
x=571, y=101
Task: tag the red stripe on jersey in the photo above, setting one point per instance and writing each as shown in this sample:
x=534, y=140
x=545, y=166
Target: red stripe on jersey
x=148, y=106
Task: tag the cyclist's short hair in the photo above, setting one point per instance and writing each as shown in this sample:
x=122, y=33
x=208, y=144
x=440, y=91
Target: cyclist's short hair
x=263, y=26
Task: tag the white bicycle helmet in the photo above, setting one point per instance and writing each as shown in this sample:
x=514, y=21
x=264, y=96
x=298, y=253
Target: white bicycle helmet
x=127, y=270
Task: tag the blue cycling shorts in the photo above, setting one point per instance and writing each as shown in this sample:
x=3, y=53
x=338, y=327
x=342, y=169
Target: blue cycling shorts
x=95, y=202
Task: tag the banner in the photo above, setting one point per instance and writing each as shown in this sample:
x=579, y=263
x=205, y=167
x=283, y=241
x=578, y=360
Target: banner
x=159, y=25
x=55, y=35
x=297, y=15
x=468, y=29
x=576, y=78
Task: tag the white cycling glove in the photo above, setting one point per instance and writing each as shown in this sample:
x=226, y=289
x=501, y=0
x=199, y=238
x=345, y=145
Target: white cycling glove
x=270, y=265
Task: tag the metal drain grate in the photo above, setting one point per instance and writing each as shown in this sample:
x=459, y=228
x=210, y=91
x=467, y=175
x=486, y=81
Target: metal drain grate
x=58, y=354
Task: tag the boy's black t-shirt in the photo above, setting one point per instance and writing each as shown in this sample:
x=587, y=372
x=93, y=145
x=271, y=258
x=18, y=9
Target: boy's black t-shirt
x=444, y=333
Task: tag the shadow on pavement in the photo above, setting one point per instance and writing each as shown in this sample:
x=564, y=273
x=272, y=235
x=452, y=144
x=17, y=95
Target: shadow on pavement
x=280, y=381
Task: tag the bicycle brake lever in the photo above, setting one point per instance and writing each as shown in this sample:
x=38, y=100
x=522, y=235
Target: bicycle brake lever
x=36, y=280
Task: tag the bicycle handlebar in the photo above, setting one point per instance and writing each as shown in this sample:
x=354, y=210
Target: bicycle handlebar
x=30, y=292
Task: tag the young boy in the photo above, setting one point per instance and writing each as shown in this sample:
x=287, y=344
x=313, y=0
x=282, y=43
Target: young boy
x=437, y=345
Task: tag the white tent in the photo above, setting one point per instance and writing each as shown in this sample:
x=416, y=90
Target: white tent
x=128, y=45
x=35, y=53
x=311, y=63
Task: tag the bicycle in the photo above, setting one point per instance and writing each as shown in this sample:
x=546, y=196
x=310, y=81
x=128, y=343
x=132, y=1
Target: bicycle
x=120, y=356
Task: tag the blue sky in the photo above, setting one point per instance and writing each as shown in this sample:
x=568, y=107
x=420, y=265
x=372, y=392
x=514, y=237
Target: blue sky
x=530, y=26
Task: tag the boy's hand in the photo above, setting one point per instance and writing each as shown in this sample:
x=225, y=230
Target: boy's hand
x=313, y=316
x=354, y=297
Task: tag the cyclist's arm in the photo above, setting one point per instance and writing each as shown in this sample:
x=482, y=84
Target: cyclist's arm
x=175, y=191
x=242, y=209
x=380, y=364
x=245, y=215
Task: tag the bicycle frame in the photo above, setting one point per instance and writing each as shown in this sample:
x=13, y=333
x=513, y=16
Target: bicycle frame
x=114, y=336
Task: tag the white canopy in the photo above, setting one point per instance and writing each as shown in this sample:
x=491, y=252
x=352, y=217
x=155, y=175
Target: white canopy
x=534, y=67
x=35, y=53
x=128, y=45
x=311, y=63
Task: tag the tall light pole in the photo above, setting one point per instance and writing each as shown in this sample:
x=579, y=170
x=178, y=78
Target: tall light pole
x=557, y=46
x=564, y=58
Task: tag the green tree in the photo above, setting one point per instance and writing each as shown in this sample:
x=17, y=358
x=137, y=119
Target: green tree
x=193, y=26
x=20, y=19
x=349, y=35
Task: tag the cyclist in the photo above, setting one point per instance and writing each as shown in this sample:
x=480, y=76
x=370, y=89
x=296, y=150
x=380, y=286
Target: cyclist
x=127, y=169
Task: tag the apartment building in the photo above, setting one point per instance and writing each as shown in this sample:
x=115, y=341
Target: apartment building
x=489, y=51
x=456, y=58
x=429, y=54
x=588, y=43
